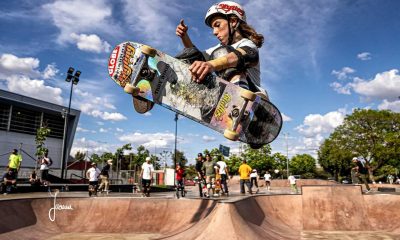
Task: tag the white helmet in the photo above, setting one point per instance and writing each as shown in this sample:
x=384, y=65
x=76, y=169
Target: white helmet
x=225, y=8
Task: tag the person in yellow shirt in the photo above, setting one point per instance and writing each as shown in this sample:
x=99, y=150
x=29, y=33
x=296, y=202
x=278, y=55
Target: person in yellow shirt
x=244, y=172
x=14, y=163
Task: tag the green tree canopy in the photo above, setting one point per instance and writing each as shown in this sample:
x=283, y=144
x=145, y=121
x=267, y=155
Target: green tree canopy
x=302, y=164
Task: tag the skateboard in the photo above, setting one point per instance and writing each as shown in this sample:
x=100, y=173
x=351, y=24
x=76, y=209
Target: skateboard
x=152, y=76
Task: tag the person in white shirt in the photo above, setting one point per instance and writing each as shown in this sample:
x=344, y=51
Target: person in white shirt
x=267, y=179
x=45, y=162
x=254, y=180
x=292, y=182
x=146, y=174
x=224, y=172
x=93, y=174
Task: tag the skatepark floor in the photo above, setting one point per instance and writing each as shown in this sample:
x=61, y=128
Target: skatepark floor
x=317, y=212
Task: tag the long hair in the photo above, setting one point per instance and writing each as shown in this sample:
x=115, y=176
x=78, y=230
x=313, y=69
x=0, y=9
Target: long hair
x=248, y=32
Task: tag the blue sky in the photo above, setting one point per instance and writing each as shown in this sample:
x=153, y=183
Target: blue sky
x=320, y=60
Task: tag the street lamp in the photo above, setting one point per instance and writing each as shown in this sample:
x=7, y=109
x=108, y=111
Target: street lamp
x=176, y=138
x=74, y=79
x=287, y=153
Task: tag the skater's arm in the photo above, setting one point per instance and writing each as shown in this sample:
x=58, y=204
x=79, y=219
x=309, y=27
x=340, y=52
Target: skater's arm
x=181, y=31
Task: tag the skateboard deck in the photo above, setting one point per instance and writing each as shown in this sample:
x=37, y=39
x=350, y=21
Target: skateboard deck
x=215, y=103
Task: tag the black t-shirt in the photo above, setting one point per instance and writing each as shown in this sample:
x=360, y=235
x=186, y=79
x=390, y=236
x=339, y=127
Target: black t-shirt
x=361, y=168
x=9, y=176
x=105, y=170
x=199, y=166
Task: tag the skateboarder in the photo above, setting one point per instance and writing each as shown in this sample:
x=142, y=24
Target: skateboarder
x=209, y=169
x=361, y=172
x=104, y=176
x=236, y=57
x=224, y=172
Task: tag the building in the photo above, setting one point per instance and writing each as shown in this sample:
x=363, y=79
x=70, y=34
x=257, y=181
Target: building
x=21, y=116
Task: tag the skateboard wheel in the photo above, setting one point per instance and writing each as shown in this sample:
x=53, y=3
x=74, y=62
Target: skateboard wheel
x=263, y=95
x=231, y=135
x=148, y=50
x=248, y=95
x=131, y=89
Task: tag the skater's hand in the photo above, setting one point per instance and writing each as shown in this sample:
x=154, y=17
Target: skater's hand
x=181, y=29
x=199, y=70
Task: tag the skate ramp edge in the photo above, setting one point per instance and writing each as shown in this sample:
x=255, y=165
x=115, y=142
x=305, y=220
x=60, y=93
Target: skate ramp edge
x=318, y=208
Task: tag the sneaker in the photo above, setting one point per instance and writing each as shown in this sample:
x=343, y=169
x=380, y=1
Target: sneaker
x=367, y=191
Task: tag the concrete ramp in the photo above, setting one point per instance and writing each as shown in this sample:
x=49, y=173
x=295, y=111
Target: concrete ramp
x=321, y=212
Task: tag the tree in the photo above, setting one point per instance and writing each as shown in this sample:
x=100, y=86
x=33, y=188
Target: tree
x=180, y=158
x=41, y=136
x=80, y=156
x=371, y=134
x=302, y=164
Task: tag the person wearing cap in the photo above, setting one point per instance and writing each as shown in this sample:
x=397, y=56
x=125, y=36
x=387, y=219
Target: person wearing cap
x=209, y=168
x=104, y=177
x=93, y=174
x=200, y=173
x=361, y=172
x=14, y=162
x=224, y=173
x=146, y=174
x=236, y=57
x=244, y=172
x=254, y=180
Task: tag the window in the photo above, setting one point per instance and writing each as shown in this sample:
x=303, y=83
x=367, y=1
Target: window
x=24, y=120
x=4, y=115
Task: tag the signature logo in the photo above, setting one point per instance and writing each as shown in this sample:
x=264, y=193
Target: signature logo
x=59, y=207
x=222, y=105
x=126, y=69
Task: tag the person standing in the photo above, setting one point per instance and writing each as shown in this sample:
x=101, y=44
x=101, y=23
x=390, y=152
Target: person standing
x=244, y=172
x=93, y=174
x=200, y=173
x=104, y=177
x=14, y=163
x=361, y=173
x=45, y=162
x=254, y=180
x=224, y=172
x=146, y=174
x=209, y=170
x=267, y=179
x=292, y=181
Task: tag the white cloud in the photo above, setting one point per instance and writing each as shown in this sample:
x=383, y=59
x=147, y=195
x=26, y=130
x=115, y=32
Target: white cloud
x=119, y=129
x=90, y=43
x=13, y=65
x=152, y=141
x=364, y=56
x=34, y=88
x=385, y=85
x=50, y=71
x=91, y=146
x=316, y=124
x=107, y=116
x=103, y=130
x=80, y=129
x=75, y=16
x=343, y=73
x=341, y=89
x=208, y=138
x=286, y=118
x=387, y=105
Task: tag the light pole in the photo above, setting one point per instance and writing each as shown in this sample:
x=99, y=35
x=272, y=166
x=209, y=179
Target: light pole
x=176, y=138
x=287, y=153
x=74, y=79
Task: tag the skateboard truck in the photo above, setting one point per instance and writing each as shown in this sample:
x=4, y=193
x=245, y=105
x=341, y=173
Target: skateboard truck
x=144, y=71
x=238, y=114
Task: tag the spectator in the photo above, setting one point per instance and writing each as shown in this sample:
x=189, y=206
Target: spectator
x=93, y=174
x=293, y=185
x=267, y=179
x=200, y=173
x=9, y=181
x=224, y=172
x=45, y=162
x=104, y=177
x=146, y=174
x=390, y=178
x=244, y=172
x=209, y=169
x=14, y=163
x=254, y=180
x=33, y=179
